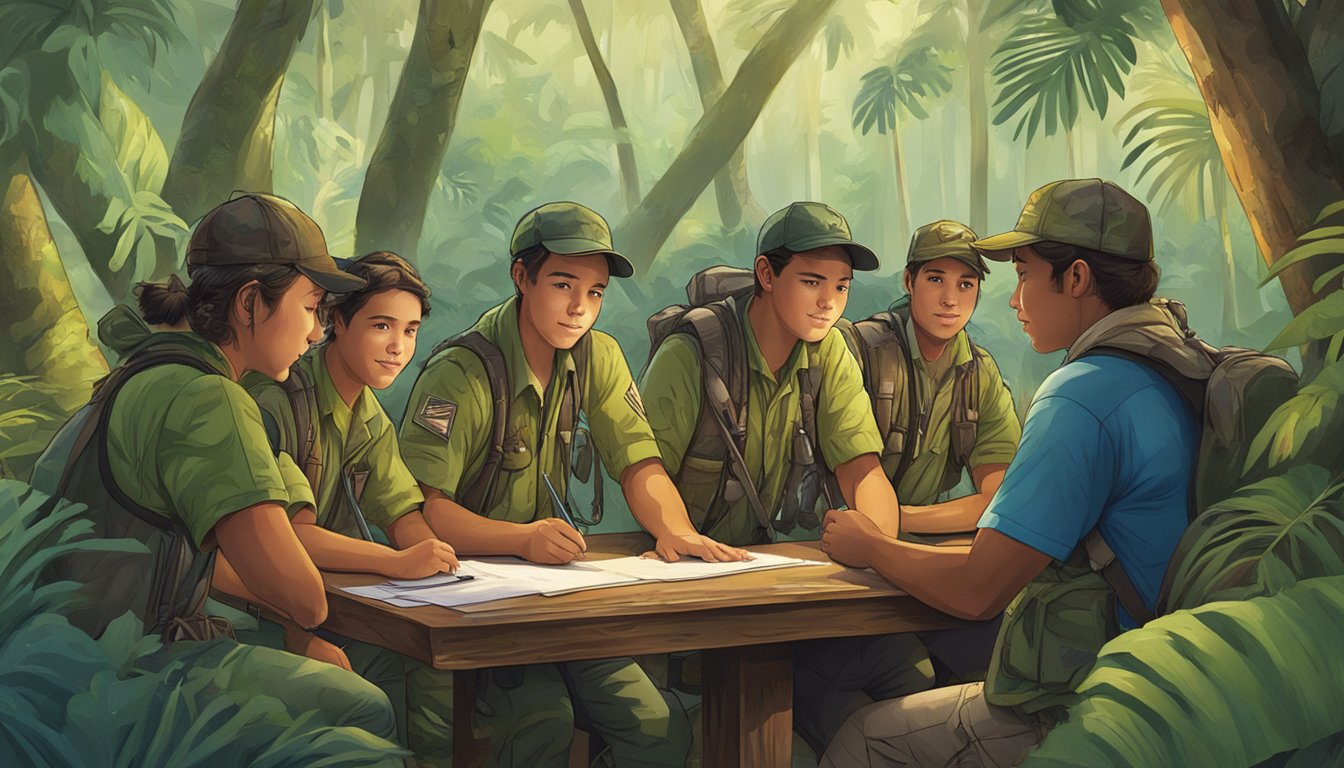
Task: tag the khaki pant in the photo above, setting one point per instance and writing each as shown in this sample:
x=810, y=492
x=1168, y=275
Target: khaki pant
x=951, y=726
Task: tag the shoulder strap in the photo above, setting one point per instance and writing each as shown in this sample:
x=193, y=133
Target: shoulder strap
x=477, y=492
x=966, y=393
x=886, y=376
x=301, y=391
x=1102, y=560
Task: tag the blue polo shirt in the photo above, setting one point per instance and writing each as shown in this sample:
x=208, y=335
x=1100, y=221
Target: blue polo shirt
x=1107, y=442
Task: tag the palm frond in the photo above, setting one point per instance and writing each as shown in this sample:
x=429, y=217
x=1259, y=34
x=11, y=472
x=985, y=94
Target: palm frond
x=1175, y=141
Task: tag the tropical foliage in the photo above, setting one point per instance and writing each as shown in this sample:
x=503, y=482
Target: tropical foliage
x=66, y=699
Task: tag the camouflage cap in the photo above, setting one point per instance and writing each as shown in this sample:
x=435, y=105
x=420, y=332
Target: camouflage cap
x=1089, y=213
x=805, y=226
x=264, y=229
x=942, y=239
x=570, y=229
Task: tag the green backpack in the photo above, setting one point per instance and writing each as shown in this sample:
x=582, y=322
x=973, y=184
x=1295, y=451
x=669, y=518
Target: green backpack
x=1053, y=630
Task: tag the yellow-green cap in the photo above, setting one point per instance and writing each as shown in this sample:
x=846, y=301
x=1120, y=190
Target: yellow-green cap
x=265, y=229
x=570, y=229
x=942, y=239
x=1089, y=213
x=804, y=226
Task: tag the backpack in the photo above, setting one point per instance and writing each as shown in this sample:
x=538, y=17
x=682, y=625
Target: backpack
x=880, y=345
x=478, y=493
x=716, y=297
x=1054, y=628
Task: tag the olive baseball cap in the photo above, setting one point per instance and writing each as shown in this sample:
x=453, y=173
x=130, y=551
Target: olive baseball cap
x=570, y=229
x=1089, y=213
x=942, y=239
x=804, y=226
x=265, y=229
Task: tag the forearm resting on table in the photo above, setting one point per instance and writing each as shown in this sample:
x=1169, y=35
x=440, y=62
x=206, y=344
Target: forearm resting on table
x=332, y=551
x=654, y=500
x=867, y=490
x=958, y=515
x=259, y=548
x=468, y=532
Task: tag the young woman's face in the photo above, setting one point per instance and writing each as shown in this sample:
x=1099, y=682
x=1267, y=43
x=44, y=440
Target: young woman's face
x=281, y=334
x=379, y=340
x=942, y=296
x=565, y=300
x=811, y=292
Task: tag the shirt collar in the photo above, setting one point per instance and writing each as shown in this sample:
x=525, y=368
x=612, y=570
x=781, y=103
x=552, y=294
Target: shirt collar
x=329, y=402
x=798, y=359
x=500, y=325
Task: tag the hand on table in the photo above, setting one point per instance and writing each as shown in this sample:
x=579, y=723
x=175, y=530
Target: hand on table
x=553, y=542
x=846, y=535
x=422, y=559
x=672, y=548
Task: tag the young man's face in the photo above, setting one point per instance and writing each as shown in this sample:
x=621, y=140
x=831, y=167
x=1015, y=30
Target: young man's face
x=281, y=334
x=942, y=296
x=565, y=300
x=810, y=293
x=1048, y=313
x=380, y=339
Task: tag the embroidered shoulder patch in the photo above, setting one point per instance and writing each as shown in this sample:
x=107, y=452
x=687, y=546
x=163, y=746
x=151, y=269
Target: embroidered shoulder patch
x=632, y=400
x=436, y=415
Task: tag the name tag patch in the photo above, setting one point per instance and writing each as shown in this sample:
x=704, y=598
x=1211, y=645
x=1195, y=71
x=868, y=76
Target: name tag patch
x=436, y=416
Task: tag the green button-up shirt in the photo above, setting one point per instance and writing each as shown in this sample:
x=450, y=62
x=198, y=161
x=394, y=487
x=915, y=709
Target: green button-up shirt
x=673, y=390
x=445, y=434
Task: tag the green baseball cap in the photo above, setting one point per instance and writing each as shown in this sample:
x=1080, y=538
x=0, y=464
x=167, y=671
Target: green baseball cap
x=1089, y=213
x=570, y=229
x=805, y=226
x=265, y=229
x=942, y=239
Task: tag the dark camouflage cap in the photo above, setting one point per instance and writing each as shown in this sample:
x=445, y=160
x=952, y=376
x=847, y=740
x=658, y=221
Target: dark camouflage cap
x=1089, y=213
x=264, y=229
x=570, y=229
x=942, y=239
x=805, y=226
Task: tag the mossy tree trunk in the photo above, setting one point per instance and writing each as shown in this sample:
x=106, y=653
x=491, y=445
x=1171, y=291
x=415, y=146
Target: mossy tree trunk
x=625, y=149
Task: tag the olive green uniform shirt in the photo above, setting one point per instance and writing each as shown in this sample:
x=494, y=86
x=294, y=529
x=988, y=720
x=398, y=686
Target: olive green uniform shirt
x=445, y=434
x=931, y=469
x=359, y=443
x=191, y=445
x=673, y=388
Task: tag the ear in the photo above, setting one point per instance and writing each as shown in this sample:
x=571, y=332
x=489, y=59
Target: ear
x=244, y=304
x=908, y=282
x=519, y=275
x=765, y=276
x=1080, y=279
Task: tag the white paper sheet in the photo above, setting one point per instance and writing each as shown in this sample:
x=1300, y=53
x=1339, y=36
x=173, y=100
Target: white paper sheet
x=649, y=569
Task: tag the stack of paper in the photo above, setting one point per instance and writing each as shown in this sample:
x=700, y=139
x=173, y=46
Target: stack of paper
x=497, y=578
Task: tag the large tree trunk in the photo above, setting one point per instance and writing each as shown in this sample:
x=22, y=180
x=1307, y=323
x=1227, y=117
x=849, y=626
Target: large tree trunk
x=719, y=132
x=902, y=191
x=228, y=131
x=625, y=150
x=420, y=122
x=1230, y=321
x=47, y=335
x=977, y=67
x=1264, y=108
x=731, y=187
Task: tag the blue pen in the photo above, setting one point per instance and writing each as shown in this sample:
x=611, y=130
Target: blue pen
x=559, y=504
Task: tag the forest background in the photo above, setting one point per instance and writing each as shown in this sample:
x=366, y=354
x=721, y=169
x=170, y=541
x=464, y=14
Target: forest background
x=428, y=127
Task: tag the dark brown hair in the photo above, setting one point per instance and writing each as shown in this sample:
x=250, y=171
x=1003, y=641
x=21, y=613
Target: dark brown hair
x=778, y=259
x=205, y=303
x=382, y=271
x=531, y=258
x=1119, y=282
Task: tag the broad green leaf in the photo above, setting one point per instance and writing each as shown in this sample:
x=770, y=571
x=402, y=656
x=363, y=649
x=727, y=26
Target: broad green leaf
x=139, y=150
x=1309, y=420
x=1321, y=320
x=1331, y=246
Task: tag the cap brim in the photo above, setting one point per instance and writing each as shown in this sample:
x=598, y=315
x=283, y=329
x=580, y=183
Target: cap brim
x=1000, y=247
x=968, y=256
x=331, y=279
x=617, y=265
x=861, y=258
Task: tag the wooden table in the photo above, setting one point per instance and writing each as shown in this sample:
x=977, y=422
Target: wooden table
x=745, y=623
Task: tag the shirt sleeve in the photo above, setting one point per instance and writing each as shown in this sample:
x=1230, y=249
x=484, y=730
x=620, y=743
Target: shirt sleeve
x=998, y=430
x=390, y=491
x=213, y=455
x=447, y=422
x=1057, y=484
x=615, y=409
x=844, y=413
x=671, y=388
x=296, y=485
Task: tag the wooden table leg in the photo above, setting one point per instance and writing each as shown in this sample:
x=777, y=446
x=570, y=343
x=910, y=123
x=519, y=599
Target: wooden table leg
x=468, y=751
x=748, y=706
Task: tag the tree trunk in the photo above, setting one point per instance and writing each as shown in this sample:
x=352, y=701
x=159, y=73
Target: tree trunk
x=719, y=132
x=731, y=187
x=325, y=89
x=420, y=122
x=1264, y=108
x=1230, y=321
x=625, y=150
x=228, y=131
x=47, y=335
x=977, y=67
x=902, y=193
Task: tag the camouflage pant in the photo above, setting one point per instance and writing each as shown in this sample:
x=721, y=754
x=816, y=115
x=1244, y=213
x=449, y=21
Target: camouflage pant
x=951, y=726
x=337, y=697
x=612, y=698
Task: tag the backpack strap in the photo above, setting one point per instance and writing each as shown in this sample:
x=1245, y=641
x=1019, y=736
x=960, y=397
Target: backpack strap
x=301, y=391
x=569, y=424
x=886, y=361
x=966, y=393
x=1102, y=560
x=479, y=491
